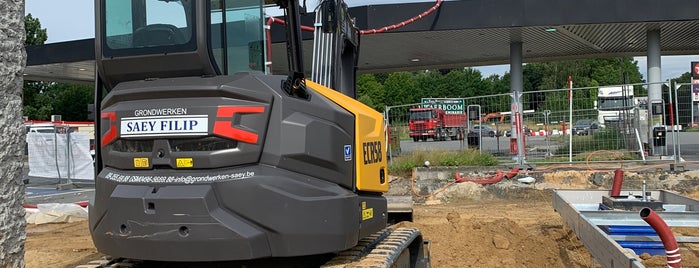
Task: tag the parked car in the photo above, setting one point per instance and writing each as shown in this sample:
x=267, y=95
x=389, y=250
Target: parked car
x=525, y=130
x=485, y=131
x=584, y=127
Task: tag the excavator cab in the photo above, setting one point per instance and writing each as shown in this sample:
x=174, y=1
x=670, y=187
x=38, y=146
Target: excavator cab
x=176, y=38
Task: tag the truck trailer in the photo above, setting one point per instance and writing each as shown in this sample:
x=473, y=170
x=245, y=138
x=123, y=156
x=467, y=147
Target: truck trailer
x=434, y=123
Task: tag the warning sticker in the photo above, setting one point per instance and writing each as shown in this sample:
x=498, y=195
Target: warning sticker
x=140, y=162
x=367, y=213
x=185, y=163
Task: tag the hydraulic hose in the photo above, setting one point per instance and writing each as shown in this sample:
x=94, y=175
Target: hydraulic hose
x=671, y=249
x=618, y=179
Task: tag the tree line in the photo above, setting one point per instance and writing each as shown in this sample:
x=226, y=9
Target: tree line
x=381, y=90
x=43, y=99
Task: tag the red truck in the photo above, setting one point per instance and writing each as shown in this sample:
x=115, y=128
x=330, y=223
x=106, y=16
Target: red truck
x=436, y=124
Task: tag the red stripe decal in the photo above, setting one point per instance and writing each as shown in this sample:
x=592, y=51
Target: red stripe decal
x=111, y=134
x=225, y=128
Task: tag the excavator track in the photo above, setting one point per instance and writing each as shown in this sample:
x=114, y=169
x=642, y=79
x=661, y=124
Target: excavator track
x=399, y=247
x=390, y=247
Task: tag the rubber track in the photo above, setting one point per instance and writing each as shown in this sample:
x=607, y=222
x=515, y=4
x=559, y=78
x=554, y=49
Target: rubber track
x=380, y=249
x=107, y=263
x=377, y=250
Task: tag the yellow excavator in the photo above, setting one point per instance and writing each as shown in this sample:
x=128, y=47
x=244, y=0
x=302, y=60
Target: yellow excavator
x=205, y=159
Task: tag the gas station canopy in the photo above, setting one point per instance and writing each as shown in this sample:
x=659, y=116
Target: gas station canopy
x=460, y=34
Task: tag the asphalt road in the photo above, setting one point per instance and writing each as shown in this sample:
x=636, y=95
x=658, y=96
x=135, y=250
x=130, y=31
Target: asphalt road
x=689, y=145
x=538, y=147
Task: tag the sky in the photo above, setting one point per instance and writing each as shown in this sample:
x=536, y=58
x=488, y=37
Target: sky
x=67, y=20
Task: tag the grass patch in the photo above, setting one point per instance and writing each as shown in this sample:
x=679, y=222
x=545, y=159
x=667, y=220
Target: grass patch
x=600, y=155
x=609, y=139
x=603, y=145
x=404, y=164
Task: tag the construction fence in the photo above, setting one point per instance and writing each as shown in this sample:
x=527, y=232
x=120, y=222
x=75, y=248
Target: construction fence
x=60, y=154
x=560, y=125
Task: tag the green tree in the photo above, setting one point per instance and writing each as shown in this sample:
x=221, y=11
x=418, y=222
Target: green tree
x=430, y=84
x=36, y=107
x=371, y=92
x=584, y=73
x=37, y=104
x=497, y=85
x=35, y=34
x=684, y=78
x=71, y=101
x=42, y=99
x=461, y=83
x=391, y=89
x=400, y=89
x=68, y=100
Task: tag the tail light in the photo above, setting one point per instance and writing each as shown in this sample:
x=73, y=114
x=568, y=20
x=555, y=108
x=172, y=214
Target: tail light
x=111, y=133
x=224, y=125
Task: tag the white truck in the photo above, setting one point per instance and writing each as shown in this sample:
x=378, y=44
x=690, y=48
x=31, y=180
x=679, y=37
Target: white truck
x=618, y=107
x=614, y=104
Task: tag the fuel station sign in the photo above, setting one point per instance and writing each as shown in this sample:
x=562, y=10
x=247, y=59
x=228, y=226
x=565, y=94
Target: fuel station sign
x=449, y=105
x=695, y=80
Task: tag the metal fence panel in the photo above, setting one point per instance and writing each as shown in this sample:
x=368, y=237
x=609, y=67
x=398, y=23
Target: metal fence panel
x=605, y=123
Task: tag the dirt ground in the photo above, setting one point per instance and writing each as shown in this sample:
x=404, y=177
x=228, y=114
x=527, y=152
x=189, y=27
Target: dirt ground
x=468, y=225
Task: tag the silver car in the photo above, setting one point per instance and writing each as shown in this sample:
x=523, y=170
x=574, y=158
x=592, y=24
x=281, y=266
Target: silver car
x=584, y=127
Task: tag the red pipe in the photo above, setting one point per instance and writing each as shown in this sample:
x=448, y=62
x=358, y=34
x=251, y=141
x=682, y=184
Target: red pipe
x=495, y=179
x=403, y=23
x=372, y=31
x=268, y=31
x=618, y=179
x=672, y=116
x=80, y=203
x=671, y=249
x=512, y=173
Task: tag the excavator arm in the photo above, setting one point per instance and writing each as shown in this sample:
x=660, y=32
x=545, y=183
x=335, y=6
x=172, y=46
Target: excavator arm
x=295, y=83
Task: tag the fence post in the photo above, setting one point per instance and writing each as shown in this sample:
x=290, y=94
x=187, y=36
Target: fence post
x=570, y=119
x=69, y=154
x=676, y=131
x=386, y=129
x=471, y=117
x=546, y=133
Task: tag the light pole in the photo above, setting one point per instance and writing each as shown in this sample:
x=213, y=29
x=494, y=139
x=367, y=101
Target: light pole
x=474, y=113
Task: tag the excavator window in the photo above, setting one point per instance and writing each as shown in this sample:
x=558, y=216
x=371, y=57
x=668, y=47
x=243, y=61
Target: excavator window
x=138, y=27
x=237, y=35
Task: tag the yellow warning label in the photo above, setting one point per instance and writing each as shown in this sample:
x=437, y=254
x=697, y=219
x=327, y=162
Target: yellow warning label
x=367, y=213
x=185, y=162
x=363, y=204
x=141, y=162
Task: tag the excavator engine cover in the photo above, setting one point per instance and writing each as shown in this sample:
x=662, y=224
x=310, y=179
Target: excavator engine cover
x=234, y=168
